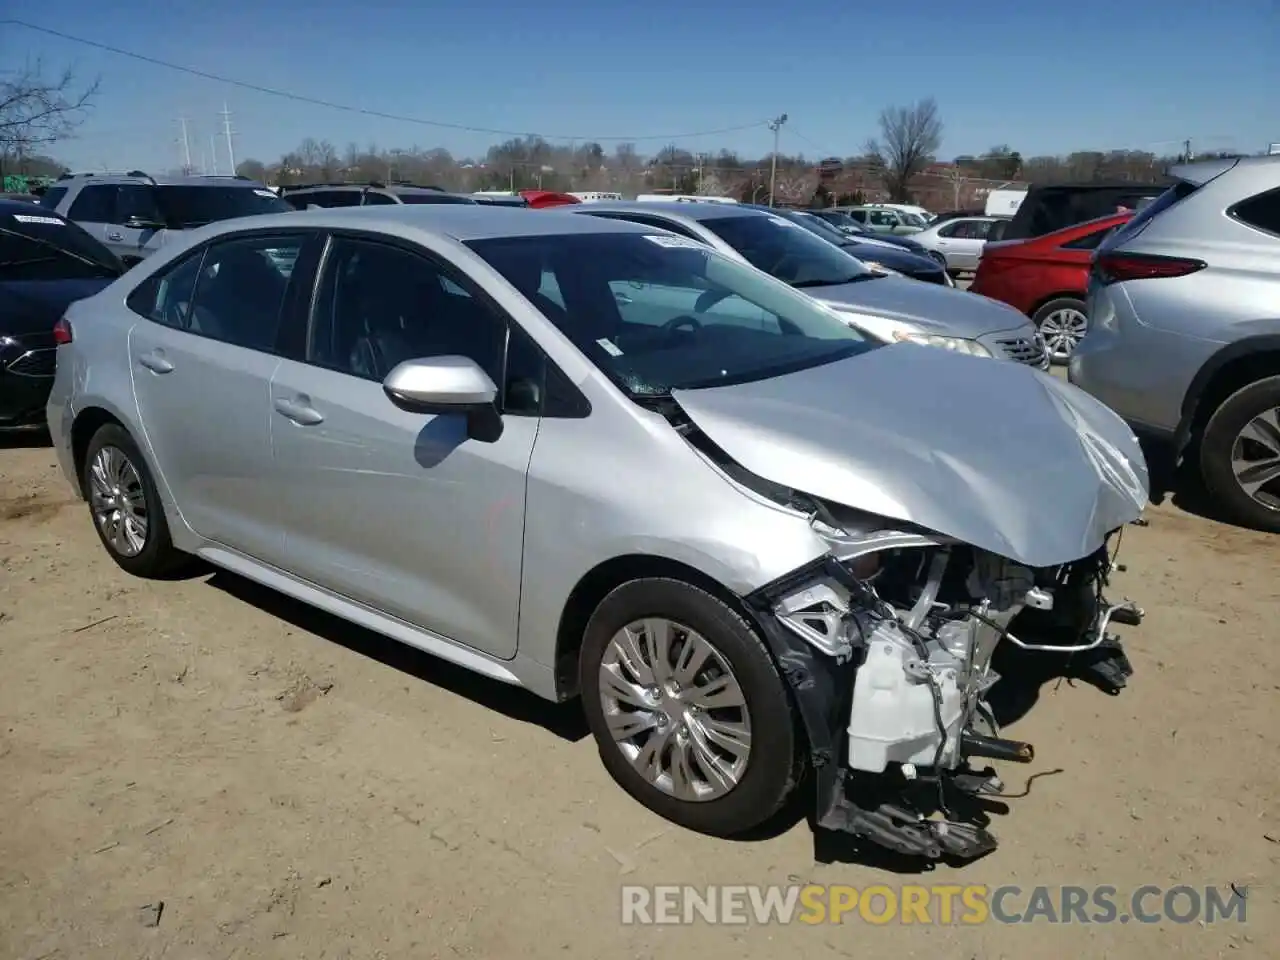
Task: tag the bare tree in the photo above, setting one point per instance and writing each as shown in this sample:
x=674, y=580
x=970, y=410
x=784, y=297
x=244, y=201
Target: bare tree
x=909, y=139
x=37, y=108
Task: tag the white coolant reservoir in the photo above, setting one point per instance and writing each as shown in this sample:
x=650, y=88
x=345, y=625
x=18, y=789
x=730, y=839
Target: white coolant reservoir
x=892, y=717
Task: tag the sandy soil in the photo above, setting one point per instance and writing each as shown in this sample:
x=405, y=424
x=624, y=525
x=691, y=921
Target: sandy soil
x=289, y=786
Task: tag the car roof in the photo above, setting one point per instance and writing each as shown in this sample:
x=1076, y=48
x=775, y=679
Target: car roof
x=85, y=179
x=670, y=208
x=461, y=221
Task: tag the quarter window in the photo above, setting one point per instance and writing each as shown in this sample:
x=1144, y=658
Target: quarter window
x=1261, y=211
x=1090, y=241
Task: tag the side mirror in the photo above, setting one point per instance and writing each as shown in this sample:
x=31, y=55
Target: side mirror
x=444, y=385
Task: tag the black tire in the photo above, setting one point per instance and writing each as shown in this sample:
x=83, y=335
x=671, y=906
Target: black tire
x=1054, y=305
x=158, y=556
x=938, y=258
x=773, y=767
x=1216, y=446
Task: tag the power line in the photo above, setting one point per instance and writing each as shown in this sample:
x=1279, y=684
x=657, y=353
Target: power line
x=347, y=108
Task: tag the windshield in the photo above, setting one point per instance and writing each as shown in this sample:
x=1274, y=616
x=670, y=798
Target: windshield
x=840, y=220
x=787, y=251
x=820, y=227
x=912, y=219
x=41, y=245
x=660, y=312
x=187, y=206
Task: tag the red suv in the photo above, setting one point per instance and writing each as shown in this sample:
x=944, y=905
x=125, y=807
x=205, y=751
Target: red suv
x=1047, y=278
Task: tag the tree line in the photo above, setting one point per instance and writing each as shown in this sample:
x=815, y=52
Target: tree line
x=38, y=109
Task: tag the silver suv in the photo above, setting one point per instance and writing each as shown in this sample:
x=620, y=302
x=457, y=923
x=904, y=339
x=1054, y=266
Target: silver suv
x=1185, y=336
x=590, y=457
x=135, y=214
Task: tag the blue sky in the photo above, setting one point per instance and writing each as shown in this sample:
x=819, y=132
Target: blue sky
x=1042, y=77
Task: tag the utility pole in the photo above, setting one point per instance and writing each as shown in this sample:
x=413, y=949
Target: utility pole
x=699, y=159
x=1186, y=151
x=228, y=133
x=775, y=125
x=186, y=147
x=213, y=152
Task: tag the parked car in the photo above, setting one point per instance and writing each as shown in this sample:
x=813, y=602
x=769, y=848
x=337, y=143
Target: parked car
x=877, y=256
x=500, y=200
x=953, y=214
x=46, y=262
x=134, y=214
x=885, y=220
x=846, y=224
x=1047, y=278
x=372, y=193
x=677, y=516
x=891, y=308
x=1185, y=338
x=959, y=241
x=1050, y=207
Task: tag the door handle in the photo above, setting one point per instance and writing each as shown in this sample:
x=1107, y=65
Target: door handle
x=622, y=298
x=299, y=411
x=115, y=235
x=156, y=362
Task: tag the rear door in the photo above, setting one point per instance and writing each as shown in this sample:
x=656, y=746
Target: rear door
x=203, y=355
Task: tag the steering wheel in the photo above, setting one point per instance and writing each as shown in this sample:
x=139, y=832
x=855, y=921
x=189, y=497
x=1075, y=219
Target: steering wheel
x=684, y=320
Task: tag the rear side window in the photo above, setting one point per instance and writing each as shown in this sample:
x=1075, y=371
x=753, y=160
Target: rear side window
x=52, y=197
x=1261, y=211
x=94, y=204
x=375, y=199
x=1089, y=241
x=328, y=198
x=193, y=206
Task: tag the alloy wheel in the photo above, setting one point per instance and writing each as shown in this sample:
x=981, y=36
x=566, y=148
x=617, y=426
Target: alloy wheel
x=1255, y=458
x=675, y=709
x=118, y=502
x=1063, y=330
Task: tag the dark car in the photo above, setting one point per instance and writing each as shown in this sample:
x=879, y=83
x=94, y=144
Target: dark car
x=870, y=251
x=1050, y=207
x=846, y=224
x=46, y=263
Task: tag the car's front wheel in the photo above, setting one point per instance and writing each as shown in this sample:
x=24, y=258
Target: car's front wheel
x=1063, y=323
x=689, y=710
x=125, y=505
x=1240, y=455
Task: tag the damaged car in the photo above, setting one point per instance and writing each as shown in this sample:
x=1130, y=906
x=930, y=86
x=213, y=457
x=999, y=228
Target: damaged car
x=595, y=460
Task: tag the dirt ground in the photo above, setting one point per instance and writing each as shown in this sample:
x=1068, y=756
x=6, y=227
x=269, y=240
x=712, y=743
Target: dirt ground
x=290, y=786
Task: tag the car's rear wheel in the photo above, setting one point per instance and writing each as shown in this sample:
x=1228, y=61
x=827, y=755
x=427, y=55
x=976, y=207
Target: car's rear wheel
x=125, y=505
x=1240, y=455
x=688, y=709
x=1063, y=323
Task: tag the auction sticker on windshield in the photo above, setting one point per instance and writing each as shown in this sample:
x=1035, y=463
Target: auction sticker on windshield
x=27, y=218
x=676, y=243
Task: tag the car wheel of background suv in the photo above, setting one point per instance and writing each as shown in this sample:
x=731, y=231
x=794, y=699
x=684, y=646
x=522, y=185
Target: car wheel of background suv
x=1063, y=322
x=1240, y=455
x=125, y=505
x=688, y=709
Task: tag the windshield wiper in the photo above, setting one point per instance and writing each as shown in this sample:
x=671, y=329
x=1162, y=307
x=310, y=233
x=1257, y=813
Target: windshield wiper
x=802, y=284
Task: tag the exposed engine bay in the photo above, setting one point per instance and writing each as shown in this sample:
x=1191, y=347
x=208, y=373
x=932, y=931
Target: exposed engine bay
x=906, y=625
x=887, y=644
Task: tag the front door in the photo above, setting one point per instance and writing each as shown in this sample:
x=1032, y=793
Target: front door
x=203, y=359
x=400, y=511
x=137, y=227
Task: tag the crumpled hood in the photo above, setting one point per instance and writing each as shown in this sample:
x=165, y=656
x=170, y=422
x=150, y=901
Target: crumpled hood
x=997, y=455
x=932, y=308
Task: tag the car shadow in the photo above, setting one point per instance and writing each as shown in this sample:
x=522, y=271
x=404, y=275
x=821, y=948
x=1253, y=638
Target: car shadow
x=1181, y=486
x=25, y=439
x=565, y=720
